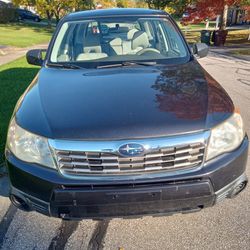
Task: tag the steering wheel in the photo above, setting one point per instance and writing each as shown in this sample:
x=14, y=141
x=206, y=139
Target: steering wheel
x=143, y=51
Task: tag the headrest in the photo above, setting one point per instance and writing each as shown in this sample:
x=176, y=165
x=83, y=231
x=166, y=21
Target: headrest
x=140, y=39
x=116, y=42
x=131, y=33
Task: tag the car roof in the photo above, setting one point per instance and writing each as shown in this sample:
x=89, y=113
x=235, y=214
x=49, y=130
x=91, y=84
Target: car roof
x=113, y=12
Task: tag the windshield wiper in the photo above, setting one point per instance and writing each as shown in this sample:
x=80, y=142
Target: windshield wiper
x=139, y=63
x=127, y=63
x=64, y=65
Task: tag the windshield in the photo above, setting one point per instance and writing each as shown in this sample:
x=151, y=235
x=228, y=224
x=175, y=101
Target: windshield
x=117, y=39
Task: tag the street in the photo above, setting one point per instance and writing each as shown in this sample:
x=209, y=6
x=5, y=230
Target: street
x=225, y=226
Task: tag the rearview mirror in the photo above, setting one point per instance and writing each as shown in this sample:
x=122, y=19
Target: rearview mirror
x=35, y=56
x=200, y=49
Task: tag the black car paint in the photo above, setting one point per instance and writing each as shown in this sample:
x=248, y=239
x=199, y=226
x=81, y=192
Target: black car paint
x=159, y=101
x=50, y=193
x=114, y=103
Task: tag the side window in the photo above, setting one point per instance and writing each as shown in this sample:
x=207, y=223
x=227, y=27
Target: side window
x=174, y=41
x=162, y=42
x=93, y=28
x=67, y=42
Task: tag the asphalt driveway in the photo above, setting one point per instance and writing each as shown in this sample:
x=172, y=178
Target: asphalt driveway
x=225, y=226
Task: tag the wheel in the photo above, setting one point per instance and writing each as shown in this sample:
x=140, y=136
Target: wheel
x=143, y=51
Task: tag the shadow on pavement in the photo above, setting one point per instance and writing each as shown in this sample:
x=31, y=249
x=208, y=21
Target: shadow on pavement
x=34, y=26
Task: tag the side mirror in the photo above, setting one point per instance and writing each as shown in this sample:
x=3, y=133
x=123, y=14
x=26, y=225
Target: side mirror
x=35, y=56
x=200, y=49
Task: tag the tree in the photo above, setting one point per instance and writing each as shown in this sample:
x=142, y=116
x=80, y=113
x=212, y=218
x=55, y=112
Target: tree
x=180, y=6
x=25, y=3
x=105, y=3
x=212, y=8
x=140, y=4
x=127, y=3
x=7, y=13
x=245, y=3
x=55, y=8
x=47, y=7
x=120, y=3
x=158, y=4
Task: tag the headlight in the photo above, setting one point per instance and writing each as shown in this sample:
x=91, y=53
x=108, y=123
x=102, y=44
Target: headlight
x=226, y=137
x=29, y=147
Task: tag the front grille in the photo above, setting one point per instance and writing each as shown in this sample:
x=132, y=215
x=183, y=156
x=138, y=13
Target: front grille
x=163, y=159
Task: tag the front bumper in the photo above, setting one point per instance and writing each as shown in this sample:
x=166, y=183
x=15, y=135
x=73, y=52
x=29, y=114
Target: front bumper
x=50, y=193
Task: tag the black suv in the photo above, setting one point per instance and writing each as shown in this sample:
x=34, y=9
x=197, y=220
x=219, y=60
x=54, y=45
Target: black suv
x=123, y=121
x=27, y=15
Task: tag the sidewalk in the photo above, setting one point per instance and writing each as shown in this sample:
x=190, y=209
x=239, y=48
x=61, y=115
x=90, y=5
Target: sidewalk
x=227, y=51
x=15, y=53
x=232, y=47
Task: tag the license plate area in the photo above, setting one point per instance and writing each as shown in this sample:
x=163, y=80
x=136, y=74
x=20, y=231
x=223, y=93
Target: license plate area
x=132, y=195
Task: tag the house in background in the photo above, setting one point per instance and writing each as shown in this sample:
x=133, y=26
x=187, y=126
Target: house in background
x=238, y=15
x=5, y=3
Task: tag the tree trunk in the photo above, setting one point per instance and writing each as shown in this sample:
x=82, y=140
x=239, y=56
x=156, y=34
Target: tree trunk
x=57, y=15
x=149, y=4
x=57, y=18
x=49, y=17
x=224, y=18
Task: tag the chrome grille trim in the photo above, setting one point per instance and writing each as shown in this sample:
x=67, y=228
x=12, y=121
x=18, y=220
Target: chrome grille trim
x=173, y=153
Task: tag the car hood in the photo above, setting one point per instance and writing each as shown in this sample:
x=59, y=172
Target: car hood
x=123, y=102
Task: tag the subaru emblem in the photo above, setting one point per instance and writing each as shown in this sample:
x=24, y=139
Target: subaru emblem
x=131, y=149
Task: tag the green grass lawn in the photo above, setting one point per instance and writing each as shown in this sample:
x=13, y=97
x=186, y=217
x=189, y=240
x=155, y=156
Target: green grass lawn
x=235, y=37
x=23, y=35
x=196, y=27
x=14, y=79
x=192, y=33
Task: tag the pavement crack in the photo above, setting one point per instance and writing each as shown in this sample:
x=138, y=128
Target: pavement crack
x=65, y=230
x=244, y=81
x=6, y=221
x=96, y=241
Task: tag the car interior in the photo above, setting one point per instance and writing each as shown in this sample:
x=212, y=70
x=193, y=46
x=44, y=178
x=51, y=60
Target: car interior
x=111, y=40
